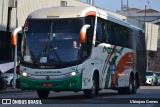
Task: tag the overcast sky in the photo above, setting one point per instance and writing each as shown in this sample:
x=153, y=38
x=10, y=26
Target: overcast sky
x=114, y=5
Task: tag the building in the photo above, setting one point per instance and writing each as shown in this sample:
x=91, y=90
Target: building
x=147, y=15
x=151, y=19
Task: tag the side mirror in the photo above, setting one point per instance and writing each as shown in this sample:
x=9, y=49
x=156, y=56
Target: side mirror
x=14, y=36
x=83, y=33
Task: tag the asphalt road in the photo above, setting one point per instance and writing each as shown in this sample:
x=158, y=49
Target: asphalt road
x=107, y=98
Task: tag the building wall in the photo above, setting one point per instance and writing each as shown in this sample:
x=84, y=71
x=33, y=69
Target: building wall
x=25, y=7
x=135, y=22
x=3, y=14
x=154, y=60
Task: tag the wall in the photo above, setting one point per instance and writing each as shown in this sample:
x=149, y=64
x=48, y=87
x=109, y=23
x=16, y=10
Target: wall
x=25, y=7
x=3, y=14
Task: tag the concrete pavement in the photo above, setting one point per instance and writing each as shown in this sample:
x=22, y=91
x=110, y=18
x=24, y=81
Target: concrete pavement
x=12, y=90
x=15, y=90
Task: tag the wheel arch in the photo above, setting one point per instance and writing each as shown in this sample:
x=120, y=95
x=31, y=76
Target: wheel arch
x=97, y=74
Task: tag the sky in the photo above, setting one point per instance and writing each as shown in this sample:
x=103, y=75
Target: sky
x=114, y=5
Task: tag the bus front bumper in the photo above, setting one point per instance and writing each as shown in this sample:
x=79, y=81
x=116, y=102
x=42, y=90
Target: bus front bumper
x=73, y=83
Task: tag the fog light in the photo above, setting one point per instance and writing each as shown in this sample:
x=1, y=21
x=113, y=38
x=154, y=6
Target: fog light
x=24, y=74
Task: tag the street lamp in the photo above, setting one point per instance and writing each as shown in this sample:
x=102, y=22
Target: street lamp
x=14, y=43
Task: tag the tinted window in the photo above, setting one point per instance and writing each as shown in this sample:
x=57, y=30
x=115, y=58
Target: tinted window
x=158, y=74
x=109, y=33
x=100, y=28
x=149, y=73
x=117, y=35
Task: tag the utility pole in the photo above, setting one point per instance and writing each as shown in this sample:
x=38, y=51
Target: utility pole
x=91, y=2
x=146, y=34
x=146, y=37
x=15, y=48
x=124, y=5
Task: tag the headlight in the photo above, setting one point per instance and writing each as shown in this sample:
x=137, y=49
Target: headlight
x=25, y=74
x=73, y=73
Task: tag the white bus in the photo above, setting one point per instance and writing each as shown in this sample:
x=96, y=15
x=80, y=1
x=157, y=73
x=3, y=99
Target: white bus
x=80, y=49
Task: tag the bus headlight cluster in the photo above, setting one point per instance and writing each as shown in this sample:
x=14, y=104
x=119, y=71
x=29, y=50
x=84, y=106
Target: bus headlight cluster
x=25, y=74
x=73, y=73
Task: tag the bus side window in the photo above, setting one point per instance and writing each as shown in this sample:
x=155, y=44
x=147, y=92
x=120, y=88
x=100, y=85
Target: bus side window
x=125, y=37
x=132, y=41
x=99, y=31
x=108, y=31
x=117, y=35
x=90, y=20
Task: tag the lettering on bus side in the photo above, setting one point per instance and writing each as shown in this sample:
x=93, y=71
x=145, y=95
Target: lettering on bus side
x=108, y=50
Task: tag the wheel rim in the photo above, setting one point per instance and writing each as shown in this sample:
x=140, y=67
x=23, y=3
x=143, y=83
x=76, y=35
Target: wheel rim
x=93, y=88
x=130, y=87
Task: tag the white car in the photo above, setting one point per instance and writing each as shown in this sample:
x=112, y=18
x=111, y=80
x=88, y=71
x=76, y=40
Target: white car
x=8, y=76
x=158, y=76
x=151, y=78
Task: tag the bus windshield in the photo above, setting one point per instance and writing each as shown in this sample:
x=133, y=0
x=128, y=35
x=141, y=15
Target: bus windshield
x=52, y=41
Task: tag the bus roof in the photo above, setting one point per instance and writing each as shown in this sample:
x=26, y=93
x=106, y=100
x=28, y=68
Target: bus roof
x=76, y=11
x=62, y=12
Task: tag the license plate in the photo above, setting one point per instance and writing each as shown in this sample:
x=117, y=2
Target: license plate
x=47, y=85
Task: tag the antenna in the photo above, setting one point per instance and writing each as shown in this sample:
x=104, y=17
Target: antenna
x=124, y=5
x=91, y=2
x=149, y=4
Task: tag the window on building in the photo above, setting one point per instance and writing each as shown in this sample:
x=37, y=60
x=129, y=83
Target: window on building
x=63, y=3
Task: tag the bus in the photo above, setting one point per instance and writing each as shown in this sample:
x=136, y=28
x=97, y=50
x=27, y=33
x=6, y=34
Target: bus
x=80, y=48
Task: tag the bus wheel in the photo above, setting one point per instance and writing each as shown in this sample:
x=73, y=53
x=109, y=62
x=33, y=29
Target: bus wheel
x=135, y=86
x=91, y=93
x=42, y=93
x=129, y=89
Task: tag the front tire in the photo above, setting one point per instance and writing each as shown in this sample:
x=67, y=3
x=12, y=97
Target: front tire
x=42, y=93
x=91, y=93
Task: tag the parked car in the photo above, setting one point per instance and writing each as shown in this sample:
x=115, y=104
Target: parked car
x=3, y=82
x=9, y=77
x=151, y=78
x=158, y=76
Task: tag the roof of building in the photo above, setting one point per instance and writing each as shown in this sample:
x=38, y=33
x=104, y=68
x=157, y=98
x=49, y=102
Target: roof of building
x=148, y=11
x=133, y=9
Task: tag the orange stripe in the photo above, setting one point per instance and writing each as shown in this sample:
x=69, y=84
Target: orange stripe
x=14, y=39
x=126, y=61
x=93, y=13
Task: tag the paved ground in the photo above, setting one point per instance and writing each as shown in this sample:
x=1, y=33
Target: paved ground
x=71, y=99
x=15, y=90
x=9, y=89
